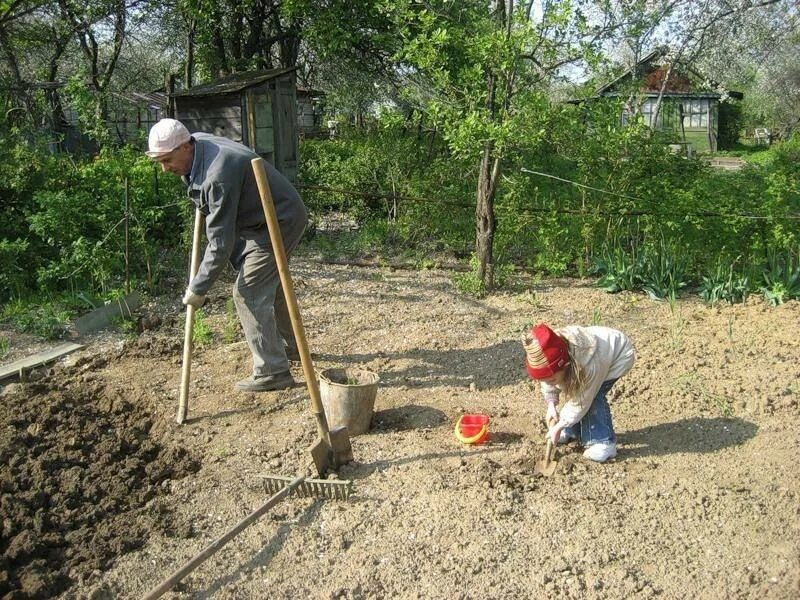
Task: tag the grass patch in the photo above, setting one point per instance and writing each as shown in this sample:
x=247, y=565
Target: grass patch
x=48, y=320
x=201, y=331
x=231, y=328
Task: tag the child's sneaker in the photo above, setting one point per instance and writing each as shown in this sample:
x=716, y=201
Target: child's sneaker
x=601, y=451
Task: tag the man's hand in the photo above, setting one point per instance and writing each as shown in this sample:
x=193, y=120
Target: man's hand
x=552, y=412
x=192, y=299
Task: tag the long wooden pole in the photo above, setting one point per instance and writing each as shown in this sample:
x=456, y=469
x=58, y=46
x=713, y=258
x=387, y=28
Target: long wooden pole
x=212, y=548
x=186, y=369
x=127, y=239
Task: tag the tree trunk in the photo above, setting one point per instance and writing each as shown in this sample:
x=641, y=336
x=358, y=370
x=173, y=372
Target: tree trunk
x=188, y=74
x=485, y=220
x=22, y=89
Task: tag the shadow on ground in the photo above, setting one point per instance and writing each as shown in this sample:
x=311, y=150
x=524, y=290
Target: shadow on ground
x=405, y=418
x=261, y=559
x=441, y=368
x=696, y=435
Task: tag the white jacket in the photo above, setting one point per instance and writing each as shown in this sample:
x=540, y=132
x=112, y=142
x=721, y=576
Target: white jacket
x=604, y=354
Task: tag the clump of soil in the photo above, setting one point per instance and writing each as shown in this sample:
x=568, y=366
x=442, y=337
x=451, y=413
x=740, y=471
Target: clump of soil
x=80, y=484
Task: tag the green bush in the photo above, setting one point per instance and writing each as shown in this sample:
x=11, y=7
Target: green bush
x=70, y=221
x=620, y=202
x=730, y=123
x=397, y=181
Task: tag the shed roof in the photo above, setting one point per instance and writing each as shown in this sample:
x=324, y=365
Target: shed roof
x=155, y=99
x=233, y=83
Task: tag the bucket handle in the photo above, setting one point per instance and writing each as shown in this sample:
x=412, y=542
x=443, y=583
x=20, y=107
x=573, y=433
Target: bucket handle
x=469, y=440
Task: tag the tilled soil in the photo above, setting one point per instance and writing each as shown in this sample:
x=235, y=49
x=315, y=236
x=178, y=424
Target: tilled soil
x=104, y=496
x=82, y=481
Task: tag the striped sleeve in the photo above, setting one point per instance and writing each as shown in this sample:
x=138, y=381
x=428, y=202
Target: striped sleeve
x=550, y=393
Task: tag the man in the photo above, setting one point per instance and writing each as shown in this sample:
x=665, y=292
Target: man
x=221, y=184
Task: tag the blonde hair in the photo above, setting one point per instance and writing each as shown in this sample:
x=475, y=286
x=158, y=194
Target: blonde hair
x=574, y=374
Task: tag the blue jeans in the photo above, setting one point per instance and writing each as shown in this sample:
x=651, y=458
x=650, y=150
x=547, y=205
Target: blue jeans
x=595, y=426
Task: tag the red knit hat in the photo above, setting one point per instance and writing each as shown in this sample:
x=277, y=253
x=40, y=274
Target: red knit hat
x=546, y=352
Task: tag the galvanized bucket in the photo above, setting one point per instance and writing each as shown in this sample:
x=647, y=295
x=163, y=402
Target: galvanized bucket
x=348, y=396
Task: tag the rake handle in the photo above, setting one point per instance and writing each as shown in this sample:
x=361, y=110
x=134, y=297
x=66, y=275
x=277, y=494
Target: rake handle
x=212, y=548
x=186, y=368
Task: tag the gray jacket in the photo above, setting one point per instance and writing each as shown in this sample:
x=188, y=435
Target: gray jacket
x=222, y=185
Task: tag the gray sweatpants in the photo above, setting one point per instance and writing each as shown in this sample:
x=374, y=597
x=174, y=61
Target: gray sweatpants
x=261, y=306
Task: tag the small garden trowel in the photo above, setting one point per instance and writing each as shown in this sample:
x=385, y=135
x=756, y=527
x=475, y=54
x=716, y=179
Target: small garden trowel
x=546, y=466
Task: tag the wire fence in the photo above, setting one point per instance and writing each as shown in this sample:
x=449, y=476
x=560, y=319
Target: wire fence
x=394, y=198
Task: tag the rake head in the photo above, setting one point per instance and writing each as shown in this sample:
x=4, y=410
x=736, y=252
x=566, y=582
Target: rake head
x=334, y=489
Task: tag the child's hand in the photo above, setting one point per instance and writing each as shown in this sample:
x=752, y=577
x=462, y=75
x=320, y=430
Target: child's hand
x=554, y=433
x=552, y=412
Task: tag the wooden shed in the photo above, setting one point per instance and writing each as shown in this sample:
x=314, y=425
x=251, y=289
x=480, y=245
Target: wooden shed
x=256, y=108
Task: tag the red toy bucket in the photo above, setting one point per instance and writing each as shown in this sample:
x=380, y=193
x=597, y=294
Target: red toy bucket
x=472, y=429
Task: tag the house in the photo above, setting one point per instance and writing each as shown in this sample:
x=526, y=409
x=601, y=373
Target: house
x=131, y=115
x=256, y=108
x=688, y=105
x=310, y=112
x=128, y=117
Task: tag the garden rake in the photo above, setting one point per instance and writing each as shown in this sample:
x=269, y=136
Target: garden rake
x=332, y=489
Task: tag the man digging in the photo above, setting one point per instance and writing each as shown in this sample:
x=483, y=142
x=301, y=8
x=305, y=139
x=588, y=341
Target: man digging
x=221, y=184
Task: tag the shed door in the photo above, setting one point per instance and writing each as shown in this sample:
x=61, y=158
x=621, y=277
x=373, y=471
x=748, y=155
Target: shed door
x=287, y=142
x=260, y=120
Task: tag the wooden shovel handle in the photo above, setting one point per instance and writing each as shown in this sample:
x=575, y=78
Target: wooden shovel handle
x=291, y=301
x=550, y=448
x=186, y=368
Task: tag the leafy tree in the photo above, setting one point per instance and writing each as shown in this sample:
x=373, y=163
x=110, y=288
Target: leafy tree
x=479, y=72
x=230, y=37
x=759, y=55
x=45, y=43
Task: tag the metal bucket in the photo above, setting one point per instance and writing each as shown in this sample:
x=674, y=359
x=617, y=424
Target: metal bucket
x=348, y=396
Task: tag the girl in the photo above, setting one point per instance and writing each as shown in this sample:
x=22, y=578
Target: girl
x=583, y=363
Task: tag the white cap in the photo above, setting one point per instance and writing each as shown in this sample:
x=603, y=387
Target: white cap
x=165, y=136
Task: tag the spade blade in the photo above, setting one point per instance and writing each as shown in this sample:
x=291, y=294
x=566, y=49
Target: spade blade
x=546, y=466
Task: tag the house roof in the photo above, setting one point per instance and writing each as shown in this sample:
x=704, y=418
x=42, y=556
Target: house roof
x=646, y=67
x=152, y=99
x=233, y=83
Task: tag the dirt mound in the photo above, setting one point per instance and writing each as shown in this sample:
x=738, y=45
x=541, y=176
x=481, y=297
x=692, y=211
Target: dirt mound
x=81, y=483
